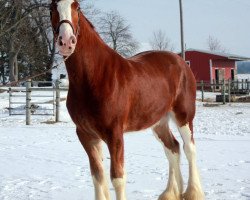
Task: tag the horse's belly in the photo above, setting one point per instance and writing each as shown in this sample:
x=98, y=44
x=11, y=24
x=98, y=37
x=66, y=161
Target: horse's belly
x=147, y=118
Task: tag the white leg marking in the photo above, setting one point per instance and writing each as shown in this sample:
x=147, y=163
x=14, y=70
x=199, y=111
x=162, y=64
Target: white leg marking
x=189, y=149
x=101, y=186
x=101, y=190
x=175, y=183
x=194, y=189
x=119, y=185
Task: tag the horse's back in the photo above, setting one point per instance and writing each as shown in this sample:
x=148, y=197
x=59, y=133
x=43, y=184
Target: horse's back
x=160, y=58
x=168, y=66
x=160, y=79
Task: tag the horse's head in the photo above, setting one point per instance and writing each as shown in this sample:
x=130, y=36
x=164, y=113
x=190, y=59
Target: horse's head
x=65, y=23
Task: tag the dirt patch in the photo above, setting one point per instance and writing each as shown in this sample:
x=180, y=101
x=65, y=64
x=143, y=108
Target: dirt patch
x=209, y=100
x=49, y=122
x=245, y=99
x=211, y=104
x=52, y=101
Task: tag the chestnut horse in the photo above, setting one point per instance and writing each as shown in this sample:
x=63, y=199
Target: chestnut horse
x=109, y=95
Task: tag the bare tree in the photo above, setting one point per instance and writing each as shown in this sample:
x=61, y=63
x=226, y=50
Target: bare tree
x=9, y=7
x=26, y=32
x=215, y=45
x=10, y=33
x=160, y=41
x=26, y=39
x=90, y=11
x=117, y=34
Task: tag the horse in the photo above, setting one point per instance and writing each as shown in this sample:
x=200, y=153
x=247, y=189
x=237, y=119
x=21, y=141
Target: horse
x=109, y=95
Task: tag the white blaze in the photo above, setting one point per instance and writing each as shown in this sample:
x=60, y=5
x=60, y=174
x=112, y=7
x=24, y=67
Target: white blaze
x=64, y=10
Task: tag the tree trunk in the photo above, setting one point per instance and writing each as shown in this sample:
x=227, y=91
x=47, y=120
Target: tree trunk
x=2, y=73
x=13, y=66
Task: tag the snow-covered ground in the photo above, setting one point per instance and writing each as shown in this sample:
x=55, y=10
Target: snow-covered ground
x=46, y=161
x=243, y=76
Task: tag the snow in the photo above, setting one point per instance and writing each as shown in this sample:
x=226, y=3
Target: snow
x=243, y=76
x=47, y=162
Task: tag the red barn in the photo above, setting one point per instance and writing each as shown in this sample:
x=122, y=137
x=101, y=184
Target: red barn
x=211, y=66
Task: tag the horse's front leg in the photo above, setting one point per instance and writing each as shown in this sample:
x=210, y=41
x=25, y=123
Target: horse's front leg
x=118, y=177
x=93, y=148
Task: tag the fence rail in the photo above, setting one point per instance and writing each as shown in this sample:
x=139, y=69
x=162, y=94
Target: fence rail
x=228, y=88
x=25, y=96
x=28, y=106
x=237, y=85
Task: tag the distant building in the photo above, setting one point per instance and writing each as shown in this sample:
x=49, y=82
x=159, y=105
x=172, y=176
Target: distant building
x=211, y=66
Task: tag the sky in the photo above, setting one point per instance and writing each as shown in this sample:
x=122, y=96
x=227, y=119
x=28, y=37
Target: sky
x=226, y=20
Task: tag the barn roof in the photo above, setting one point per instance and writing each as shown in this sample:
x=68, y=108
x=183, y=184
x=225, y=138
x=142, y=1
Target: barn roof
x=226, y=55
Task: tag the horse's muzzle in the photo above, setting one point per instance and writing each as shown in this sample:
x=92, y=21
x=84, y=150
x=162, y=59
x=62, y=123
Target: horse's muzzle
x=66, y=46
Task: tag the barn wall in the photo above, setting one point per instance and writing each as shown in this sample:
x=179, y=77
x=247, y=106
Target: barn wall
x=227, y=65
x=199, y=64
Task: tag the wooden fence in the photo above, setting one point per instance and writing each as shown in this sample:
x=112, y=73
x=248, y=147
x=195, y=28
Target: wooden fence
x=26, y=93
x=17, y=102
x=227, y=88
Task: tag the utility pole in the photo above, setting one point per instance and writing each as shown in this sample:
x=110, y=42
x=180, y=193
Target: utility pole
x=182, y=31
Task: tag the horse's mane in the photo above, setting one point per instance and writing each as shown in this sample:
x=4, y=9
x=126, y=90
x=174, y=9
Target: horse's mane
x=92, y=27
x=89, y=22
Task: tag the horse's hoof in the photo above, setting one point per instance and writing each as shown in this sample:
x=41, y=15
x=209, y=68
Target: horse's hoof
x=169, y=196
x=193, y=193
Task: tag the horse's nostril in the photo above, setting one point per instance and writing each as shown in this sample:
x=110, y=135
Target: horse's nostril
x=60, y=41
x=70, y=48
x=73, y=40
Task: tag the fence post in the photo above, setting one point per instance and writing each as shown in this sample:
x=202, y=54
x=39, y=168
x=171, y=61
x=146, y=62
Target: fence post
x=223, y=91
x=10, y=101
x=57, y=100
x=28, y=101
x=237, y=85
x=213, y=87
x=229, y=90
x=202, y=91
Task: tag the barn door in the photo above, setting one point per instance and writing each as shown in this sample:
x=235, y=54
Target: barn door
x=221, y=74
x=232, y=74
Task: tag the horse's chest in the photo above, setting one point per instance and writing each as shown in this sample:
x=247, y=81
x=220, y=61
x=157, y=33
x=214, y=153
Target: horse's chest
x=82, y=108
x=78, y=108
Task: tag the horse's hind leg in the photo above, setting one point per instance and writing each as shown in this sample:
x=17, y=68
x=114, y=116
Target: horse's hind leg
x=171, y=146
x=184, y=121
x=93, y=148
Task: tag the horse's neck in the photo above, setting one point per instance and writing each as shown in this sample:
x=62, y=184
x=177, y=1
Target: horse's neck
x=90, y=57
